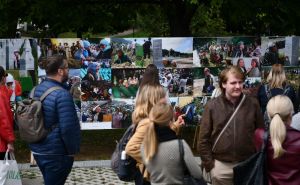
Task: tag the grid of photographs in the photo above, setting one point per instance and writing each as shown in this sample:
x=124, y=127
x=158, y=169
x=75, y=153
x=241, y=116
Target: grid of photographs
x=105, y=73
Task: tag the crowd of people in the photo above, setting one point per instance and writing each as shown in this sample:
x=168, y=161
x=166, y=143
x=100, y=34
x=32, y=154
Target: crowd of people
x=231, y=128
x=224, y=52
x=217, y=54
x=82, y=51
x=178, y=82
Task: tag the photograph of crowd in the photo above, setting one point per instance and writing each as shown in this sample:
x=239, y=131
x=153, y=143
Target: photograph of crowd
x=173, y=52
x=221, y=51
x=18, y=54
x=121, y=113
x=78, y=52
x=177, y=82
x=126, y=82
x=95, y=82
x=96, y=111
x=131, y=52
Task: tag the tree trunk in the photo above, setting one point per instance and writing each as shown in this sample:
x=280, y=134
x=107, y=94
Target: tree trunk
x=179, y=14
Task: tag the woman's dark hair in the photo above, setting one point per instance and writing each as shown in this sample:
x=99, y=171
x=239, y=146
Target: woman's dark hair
x=150, y=76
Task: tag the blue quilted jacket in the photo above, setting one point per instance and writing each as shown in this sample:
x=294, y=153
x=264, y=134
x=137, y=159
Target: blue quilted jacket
x=59, y=110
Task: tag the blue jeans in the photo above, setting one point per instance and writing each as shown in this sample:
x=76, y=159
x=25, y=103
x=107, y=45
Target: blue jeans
x=55, y=168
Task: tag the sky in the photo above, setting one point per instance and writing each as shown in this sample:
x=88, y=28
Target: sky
x=182, y=44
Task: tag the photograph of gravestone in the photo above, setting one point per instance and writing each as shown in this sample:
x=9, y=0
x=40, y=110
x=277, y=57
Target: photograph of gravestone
x=78, y=52
x=178, y=82
x=206, y=80
x=131, y=52
x=95, y=82
x=173, y=52
x=121, y=113
x=126, y=82
x=18, y=54
x=96, y=115
x=282, y=50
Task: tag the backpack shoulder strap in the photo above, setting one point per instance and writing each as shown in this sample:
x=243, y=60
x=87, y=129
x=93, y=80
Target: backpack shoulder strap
x=268, y=92
x=32, y=93
x=46, y=93
x=133, y=129
x=286, y=90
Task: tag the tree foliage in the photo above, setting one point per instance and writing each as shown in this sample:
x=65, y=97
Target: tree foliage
x=156, y=17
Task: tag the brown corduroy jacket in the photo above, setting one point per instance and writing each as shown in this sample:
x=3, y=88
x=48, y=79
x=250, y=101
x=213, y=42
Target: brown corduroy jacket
x=236, y=143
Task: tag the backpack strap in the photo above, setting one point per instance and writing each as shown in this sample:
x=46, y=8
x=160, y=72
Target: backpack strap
x=32, y=93
x=286, y=90
x=268, y=92
x=46, y=93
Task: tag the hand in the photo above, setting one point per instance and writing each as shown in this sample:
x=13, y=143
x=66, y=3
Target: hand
x=180, y=121
x=10, y=147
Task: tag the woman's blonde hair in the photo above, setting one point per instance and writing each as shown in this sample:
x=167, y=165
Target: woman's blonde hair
x=148, y=96
x=276, y=77
x=160, y=115
x=279, y=109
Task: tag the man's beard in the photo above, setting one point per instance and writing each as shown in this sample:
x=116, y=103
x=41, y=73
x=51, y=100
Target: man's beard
x=65, y=78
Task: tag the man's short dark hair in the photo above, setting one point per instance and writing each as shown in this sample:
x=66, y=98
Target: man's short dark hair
x=54, y=63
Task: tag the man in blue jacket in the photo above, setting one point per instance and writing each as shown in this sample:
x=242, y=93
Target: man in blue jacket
x=55, y=154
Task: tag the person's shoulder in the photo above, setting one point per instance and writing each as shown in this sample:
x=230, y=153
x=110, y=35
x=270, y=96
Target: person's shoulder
x=259, y=133
x=143, y=124
x=296, y=121
x=251, y=99
x=212, y=103
x=289, y=87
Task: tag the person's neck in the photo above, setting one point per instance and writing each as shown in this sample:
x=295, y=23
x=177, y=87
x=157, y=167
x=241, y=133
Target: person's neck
x=233, y=100
x=56, y=78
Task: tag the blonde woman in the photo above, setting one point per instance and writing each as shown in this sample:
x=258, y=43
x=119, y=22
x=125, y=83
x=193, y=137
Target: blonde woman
x=276, y=84
x=283, y=149
x=147, y=97
x=160, y=149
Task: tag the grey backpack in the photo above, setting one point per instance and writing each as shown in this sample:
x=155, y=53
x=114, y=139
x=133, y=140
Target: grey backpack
x=29, y=117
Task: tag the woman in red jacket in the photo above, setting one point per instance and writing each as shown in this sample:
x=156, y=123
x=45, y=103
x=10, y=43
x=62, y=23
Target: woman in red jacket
x=283, y=148
x=6, y=118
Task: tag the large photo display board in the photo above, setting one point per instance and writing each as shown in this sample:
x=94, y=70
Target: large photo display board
x=105, y=73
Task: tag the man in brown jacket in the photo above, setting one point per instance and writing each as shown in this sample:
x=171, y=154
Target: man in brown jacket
x=235, y=144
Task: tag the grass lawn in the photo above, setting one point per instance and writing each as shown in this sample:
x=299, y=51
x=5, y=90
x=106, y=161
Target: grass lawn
x=95, y=144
